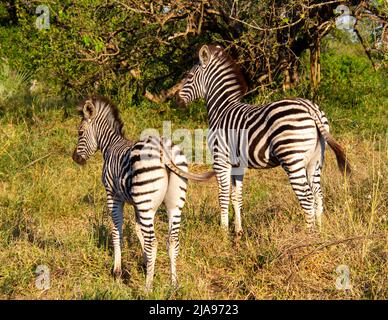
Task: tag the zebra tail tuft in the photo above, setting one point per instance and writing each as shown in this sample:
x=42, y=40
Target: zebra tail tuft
x=342, y=161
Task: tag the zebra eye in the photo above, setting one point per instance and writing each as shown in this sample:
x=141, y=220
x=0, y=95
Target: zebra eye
x=80, y=133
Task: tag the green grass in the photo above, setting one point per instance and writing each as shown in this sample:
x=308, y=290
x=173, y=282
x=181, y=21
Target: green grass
x=53, y=212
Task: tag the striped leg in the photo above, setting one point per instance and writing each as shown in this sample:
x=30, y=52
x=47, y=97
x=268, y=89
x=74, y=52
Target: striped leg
x=174, y=217
x=237, y=183
x=223, y=179
x=301, y=187
x=314, y=176
x=140, y=235
x=315, y=183
x=115, y=207
x=175, y=200
x=150, y=249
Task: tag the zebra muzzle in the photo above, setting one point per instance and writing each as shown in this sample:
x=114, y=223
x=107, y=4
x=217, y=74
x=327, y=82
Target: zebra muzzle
x=179, y=101
x=77, y=158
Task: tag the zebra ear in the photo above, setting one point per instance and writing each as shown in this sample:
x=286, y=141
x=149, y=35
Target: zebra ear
x=204, y=55
x=89, y=110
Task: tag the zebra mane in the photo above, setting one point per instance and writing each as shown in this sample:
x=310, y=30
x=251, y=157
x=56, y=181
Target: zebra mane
x=220, y=53
x=103, y=103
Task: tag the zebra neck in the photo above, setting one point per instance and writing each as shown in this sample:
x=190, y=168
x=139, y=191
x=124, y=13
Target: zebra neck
x=108, y=139
x=220, y=100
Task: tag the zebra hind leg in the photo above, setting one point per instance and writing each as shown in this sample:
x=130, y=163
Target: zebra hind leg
x=314, y=176
x=140, y=236
x=174, y=216
x=223, y=179
x=174, y=200
x=302, y=189
x=150, y=250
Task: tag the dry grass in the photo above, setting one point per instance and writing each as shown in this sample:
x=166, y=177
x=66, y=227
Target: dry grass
x=52, y=212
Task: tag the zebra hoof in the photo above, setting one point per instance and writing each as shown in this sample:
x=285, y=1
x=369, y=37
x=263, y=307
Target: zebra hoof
x=175, y=285
x=144, y=264
x=312, y=229
x=224, y=228
x=117, y=274
x=237, y=238
x=239, y=233
x=148, y=288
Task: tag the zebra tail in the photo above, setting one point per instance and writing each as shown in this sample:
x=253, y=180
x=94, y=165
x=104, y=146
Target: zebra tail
x=342, y=160
x=192, y=176
x=165, y=156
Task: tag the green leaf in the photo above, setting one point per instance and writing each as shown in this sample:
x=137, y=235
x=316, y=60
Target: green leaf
x=98, y=46
x=86, y=40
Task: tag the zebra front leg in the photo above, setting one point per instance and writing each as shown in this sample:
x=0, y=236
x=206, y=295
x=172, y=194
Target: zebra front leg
x=115, y=206
x=237, y=183
x=223, y=179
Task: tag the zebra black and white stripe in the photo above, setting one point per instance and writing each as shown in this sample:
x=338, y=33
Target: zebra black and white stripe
x=290, y=132
x=144, y=174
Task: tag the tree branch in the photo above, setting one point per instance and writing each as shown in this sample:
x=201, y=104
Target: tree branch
x=164, y=95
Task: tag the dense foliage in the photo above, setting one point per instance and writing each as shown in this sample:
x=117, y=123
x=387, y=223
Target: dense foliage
x=125, y=47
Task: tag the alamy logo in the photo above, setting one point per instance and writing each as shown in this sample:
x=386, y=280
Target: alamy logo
x=193, y=145
x=42, y=281
x=43, y=20
x=343, y=279
x=345, y=20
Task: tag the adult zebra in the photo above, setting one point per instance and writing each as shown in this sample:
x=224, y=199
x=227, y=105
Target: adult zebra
x=291, y=133
x=145, y=174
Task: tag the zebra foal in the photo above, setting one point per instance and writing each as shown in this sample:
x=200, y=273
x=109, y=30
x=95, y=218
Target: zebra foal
x=290, y=132
x=144, y=174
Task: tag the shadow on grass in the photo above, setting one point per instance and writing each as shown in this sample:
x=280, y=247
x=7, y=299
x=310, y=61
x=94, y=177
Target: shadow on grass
x=131, y=249
x=102, y=236
x=28, y=108
x=25, y=227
